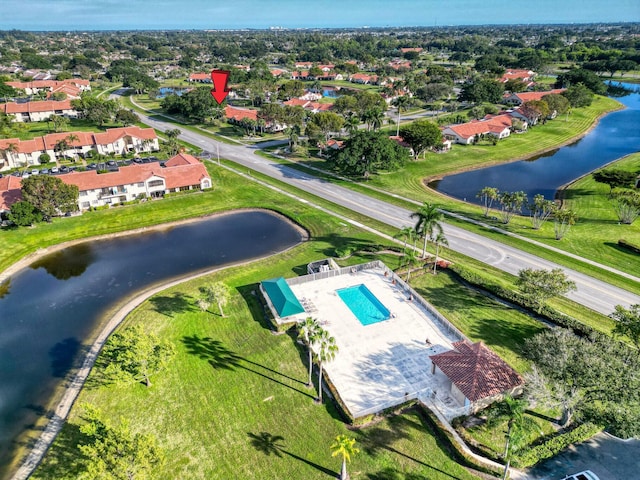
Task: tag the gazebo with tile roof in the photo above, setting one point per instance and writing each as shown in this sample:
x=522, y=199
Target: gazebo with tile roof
x=478, y=376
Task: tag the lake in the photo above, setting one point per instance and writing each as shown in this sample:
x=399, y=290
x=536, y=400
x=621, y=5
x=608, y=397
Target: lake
x=616, y=135
x=52, y=309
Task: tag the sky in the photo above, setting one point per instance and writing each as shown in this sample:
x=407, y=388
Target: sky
x=238, y=14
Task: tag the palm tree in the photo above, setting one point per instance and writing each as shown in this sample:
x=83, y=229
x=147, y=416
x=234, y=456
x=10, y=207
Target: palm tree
x=12, y=149
x=439, y=239
x=401, y=103
x=487, y=195
x=344, y=446
x=308, y=330
x=407, y=234
x=373, y=118
x=326, y=351
x=427, y=224
x=517, y=426
x=351, y=124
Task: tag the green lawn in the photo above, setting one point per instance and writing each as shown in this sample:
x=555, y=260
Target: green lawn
x=599, y=226
x=29, y=130
x=233, y=403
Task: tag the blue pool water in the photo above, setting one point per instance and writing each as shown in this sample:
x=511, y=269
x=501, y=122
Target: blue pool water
x=364, y=304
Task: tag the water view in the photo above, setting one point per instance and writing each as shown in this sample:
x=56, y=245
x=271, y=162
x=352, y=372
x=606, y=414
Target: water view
x=164, y=91
x=49, y=311
x=615, y=136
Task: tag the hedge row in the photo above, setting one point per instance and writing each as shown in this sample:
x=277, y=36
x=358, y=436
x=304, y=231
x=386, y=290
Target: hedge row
x=628, y=245
x=554, y=445
x=521, y=300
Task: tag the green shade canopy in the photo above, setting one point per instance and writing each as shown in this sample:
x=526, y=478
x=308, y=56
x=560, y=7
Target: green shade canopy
x=281, y=296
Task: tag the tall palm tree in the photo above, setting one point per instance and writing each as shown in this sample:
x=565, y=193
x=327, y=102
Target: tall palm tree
x=439, y=239
x=351, y=124
x=326, y=350
x=72, y=137
x=428, y=222
x=308, y=330
x=401, y=103
x=407, y=234
x=344, y=446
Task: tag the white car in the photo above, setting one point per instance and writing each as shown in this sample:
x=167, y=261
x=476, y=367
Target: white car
x=585, y=475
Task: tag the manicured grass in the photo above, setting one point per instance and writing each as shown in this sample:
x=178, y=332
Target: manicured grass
x=598, y=227
x=500, y=327
x=233, y=402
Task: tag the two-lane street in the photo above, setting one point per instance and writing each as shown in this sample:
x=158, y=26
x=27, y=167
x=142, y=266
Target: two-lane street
x=592, y=293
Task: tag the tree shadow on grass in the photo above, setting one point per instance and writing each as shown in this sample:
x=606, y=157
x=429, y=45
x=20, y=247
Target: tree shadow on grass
x=273, y=445
x=391, y=473
x=173, y=304
x=377, y=438
x=220, y=357
x=65, y=460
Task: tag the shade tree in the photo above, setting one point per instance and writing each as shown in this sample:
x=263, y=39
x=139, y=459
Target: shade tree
x=627, y=323
x=134, y=355
x=542, y=285
x=366, y=153
x=421, y=135
x=50, y=195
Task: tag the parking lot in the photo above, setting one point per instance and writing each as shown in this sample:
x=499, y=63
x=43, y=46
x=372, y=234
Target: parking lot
x=608, y=457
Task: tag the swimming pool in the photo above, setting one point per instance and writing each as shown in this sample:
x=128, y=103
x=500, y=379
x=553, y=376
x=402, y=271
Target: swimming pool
x=364, y=304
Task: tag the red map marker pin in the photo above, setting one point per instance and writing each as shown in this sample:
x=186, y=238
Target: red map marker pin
x=219, y=79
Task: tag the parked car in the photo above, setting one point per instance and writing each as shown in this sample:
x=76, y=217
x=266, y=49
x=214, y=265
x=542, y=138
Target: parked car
x=92, y=166
x=44, y=171
x=35, y=171
x=584, y=475
x=54, y=170
x=64, y=169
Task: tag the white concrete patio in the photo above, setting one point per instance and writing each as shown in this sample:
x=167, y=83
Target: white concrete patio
x=383, y=364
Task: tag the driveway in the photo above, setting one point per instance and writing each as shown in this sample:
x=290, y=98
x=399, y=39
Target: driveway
x=608, y=457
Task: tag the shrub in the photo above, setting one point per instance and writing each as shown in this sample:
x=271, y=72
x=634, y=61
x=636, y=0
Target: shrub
x=554, y=445
x=44, y=158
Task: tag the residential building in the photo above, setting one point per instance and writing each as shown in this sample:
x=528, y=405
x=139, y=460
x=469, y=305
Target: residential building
x=38, y=111
x=181, y=172
x=36, y=86
x=523, y=97
x=16, y=153
x=526, y=76
x=151, y=180
x=498, y=126
x=200, y=77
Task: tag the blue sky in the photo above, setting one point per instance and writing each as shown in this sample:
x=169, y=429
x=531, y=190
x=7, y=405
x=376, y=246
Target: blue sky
x=231, y=14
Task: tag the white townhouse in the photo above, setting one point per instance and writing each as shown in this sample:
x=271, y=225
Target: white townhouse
x=38, y=111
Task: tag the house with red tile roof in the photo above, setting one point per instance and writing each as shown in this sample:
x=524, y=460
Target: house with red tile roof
x=200, y=77
x=523, y=97
x=411, y=49
x=16, y=153
x=498, y=126
x=10, y=192
x=38, y=111
x=526, y=76
x=309, y=105
x=476, y=376
x=71, y=91
x=182, y=172
x=278, y=72
x=363, y=78
x=34, y=87
x=125, y=140
x=305, y=65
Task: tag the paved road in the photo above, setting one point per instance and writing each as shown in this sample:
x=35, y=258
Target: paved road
x=592, y=293
x=606, y=456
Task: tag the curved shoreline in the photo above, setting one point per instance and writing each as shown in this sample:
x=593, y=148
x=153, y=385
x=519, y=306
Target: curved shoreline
x=426, y=180
x=111, y=320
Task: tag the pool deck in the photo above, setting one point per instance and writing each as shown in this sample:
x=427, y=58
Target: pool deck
x=385, y=363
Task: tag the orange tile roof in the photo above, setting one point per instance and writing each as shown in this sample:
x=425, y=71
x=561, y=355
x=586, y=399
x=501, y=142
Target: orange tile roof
x=28, y=107
x=10, y=191
x=495, y=124
x=476, y=371
x=181, y=159
x=200, y=76
x=411, y=49
x=174, y=176
x=296, y=102
x=114, y=134
x=48, y=83
x=239, y=114
x=83, y=139
x=529, y=96
x=24, y=146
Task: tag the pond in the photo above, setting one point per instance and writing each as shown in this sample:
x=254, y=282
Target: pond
x=164, y=91
x=51, y=310
x=616, y=135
